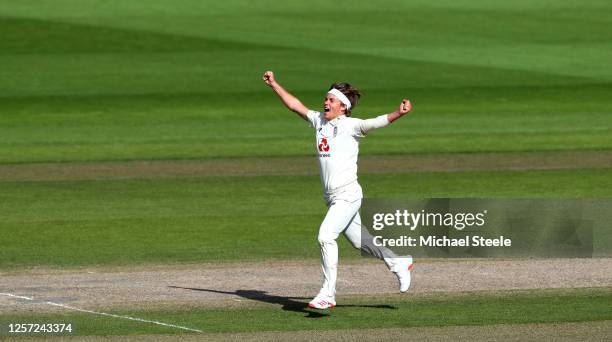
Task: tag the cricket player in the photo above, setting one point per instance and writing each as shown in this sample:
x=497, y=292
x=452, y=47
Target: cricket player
x=337, y=146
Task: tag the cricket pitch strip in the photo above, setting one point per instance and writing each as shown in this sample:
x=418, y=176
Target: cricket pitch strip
x=246, y=284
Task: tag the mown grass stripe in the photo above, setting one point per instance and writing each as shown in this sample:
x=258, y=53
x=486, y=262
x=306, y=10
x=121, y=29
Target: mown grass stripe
x=477, y=309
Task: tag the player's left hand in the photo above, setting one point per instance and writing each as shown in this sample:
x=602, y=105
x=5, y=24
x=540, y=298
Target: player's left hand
x=405, y=107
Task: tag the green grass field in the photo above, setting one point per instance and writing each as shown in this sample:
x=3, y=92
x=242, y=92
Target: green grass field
x=117, y=80
x=218, y=219
x=94, y=81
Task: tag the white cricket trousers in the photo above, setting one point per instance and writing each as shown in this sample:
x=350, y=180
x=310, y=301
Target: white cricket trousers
x=342, y=217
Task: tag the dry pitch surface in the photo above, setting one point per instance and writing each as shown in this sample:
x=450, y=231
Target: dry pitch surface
x=247, y=284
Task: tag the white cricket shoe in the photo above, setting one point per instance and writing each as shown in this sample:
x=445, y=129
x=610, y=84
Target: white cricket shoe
x=402, y=269
x=322, y=302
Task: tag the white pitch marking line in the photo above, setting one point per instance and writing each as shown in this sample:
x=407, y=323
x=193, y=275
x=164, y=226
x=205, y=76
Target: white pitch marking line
x=104, y=313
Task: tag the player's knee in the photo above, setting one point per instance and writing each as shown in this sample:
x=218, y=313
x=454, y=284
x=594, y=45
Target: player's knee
x=326, y=238
x=327, y=234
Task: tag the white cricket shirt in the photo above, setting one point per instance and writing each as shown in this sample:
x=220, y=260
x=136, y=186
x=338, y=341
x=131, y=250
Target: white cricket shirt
x=337, y=146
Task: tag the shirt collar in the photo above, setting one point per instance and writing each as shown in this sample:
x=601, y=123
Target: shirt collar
x=334, y=121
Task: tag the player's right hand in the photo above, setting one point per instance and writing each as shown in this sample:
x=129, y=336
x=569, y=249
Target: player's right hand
x=268, y=78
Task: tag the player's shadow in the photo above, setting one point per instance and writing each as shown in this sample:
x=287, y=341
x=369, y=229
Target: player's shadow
x=288, y=303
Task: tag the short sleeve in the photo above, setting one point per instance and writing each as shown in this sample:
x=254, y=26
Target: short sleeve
x=314, y=118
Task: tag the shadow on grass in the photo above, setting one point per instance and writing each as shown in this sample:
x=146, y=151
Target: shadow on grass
x=288, y=303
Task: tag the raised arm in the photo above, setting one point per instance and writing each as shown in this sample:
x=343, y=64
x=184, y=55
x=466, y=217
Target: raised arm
x=404, y=108
x=385, y=119
x=289, y=100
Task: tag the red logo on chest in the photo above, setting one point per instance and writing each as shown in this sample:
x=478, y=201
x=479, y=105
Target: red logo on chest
x=323, y=146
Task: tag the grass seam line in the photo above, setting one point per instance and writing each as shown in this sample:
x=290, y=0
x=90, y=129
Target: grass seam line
x=104, y=313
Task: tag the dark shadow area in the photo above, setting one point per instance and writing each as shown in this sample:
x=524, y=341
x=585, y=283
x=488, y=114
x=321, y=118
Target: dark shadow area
x=288, y=303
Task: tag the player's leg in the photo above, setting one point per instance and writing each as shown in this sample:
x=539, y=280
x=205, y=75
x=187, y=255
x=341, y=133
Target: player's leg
x=353, y=231
x=361, y=239
x=338, y=217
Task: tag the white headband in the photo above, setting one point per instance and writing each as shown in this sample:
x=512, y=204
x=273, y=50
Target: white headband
x=341, y=97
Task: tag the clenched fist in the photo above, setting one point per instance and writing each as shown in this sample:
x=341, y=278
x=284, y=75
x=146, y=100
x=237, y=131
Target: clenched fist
x=268, y=78
x=405, y=107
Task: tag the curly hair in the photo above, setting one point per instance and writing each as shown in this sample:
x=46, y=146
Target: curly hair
x=350, y=92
